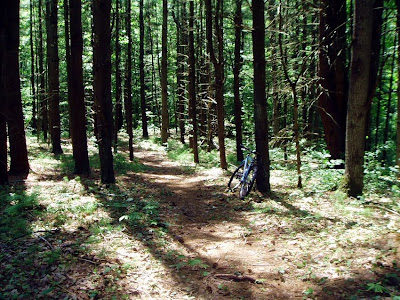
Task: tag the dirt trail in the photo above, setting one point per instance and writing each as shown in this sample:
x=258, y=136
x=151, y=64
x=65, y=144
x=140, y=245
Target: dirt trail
x=211, y=224
x=203, y=242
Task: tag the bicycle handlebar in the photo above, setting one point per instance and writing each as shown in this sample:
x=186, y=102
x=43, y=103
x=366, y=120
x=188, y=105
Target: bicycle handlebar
x=248, y=149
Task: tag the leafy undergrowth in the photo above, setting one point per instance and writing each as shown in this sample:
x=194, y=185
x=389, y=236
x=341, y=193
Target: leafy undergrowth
x=170, y=230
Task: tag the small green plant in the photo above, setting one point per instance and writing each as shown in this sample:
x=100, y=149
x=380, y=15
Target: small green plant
x=196, y=262
x=308, y=292
x=377, y=287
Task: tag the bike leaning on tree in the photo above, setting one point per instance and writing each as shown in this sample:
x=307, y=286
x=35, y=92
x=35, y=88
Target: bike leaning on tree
x=244, y=176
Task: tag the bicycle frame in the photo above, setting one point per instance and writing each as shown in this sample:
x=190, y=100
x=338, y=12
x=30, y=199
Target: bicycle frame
x=248, y=161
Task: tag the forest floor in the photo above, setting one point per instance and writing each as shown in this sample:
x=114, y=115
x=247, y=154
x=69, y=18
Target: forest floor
x=170, y=230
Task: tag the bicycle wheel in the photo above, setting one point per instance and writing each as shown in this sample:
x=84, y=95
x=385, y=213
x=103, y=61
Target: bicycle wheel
x=248, y=182
x=236, y=178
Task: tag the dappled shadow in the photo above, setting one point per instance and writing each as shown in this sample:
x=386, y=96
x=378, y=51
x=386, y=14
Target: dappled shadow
x=189, y=226
x=383, y=281
x=149, y=219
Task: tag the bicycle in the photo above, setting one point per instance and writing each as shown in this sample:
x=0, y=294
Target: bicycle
x=245, y=175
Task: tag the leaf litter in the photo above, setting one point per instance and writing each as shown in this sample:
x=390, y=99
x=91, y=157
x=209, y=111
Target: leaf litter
x=173, y=232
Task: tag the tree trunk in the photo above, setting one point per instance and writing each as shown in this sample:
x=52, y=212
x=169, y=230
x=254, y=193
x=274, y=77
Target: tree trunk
x=76, y=104
x=293, y=86
x=9, y=30
x=236, y=79
x=128, y=82
x=118, y=120
x=192, y=83
x=380, y=85
x=3, y=144
x=389, y=107
x=181, y=41
x=32, y=77
x=260, y=102
x=398, y=86
x=164, y=76
x=358, y=105
x=275, y=95
x=141, y=68
x=53, y=71
x=332, y=101
x=43, y=119
x=218, y=71
x=102, y=86
x=3, y=121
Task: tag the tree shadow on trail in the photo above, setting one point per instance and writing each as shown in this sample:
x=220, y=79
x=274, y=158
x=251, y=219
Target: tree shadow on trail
x=149, y=219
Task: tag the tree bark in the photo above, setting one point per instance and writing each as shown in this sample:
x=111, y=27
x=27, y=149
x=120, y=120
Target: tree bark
x=128, y=82
x=54, y=73
x=3, y=116
x=358, y=104
x=192, y=83
x=260, y=102
x=181, y=40
x=398, y=86
x=141, y=68
x=389, y=107
x=11, y=90
x=275, y=95
x=32, y=77
x=118, y=120
x=102, y=86
x=43, y=119
x=293, y=86
x=380, y=85
x=332, y=101
x=218, y=71
x=164, y=76
x=238, y=21
x=3, y=145
x=76, y=104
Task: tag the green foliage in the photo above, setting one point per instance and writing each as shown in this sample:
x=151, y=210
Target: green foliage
x=376, y=287
x=183, y=153
x=16, y=209
x=380, y=178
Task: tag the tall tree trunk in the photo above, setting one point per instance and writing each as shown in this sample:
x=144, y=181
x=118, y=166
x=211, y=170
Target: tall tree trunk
x=9, y=32
x=67, y=55
x=358, y=104
x=389, y=107
x=192, y=83
x=398, y=86
x=53, y=71
x=102, y=86
x=3, y=143
x=141, y=68
x=275, y=95
x=43, y=123
x=164, y=76
x=128, y=80
x=218, y=71
x=118, y=120
x=293, y=86
x=180, y=21
x=332, y=101
x=380, y=85
x=260, y=102
x=32, y=77
x=3, y=116
x=236, y=79
x=76, y=101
